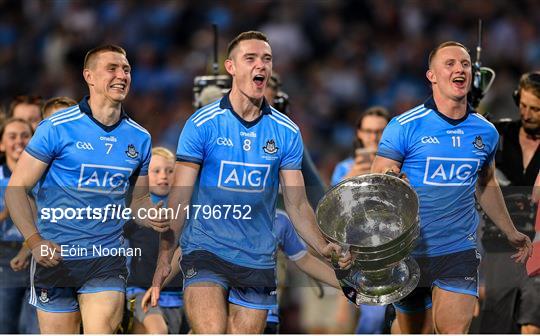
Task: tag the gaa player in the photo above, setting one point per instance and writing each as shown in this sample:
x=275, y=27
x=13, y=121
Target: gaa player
x=231, y=155
x=445, y=149
x=87, y=156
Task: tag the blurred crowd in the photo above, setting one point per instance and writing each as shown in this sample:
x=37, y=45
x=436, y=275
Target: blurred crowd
x=336, y=57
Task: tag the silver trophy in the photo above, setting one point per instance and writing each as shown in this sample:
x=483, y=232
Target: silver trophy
x=375, y=216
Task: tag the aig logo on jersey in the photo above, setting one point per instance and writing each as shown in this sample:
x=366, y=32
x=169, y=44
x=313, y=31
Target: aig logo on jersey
x=104, y=179
x=243, y=177
x=450, y=171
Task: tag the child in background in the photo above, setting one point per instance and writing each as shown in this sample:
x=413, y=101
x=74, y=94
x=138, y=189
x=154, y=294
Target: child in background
x=166, y=318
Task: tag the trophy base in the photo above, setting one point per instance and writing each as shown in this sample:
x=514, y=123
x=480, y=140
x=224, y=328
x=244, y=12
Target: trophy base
x=384, y=286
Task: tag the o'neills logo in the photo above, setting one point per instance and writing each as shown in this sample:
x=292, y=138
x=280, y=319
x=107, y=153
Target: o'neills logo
x=108, y=138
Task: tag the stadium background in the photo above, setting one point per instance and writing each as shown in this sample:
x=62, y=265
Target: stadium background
x=336, y=57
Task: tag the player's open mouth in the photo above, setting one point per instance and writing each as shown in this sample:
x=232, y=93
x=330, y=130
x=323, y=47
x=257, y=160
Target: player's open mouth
x=119, y=86
x=259, y=80
x=459, y=81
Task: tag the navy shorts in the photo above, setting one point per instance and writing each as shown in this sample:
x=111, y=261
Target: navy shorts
x=55, y=289
x=247, y=287
x=455, y=272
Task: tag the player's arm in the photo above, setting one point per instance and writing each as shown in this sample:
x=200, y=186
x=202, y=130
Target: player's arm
x=185, y=175
x=489, y=195
x=317, y=269
x=152, y=294
x=303, y=217
x=383, y=165
x=21, y=206
x=141, y=200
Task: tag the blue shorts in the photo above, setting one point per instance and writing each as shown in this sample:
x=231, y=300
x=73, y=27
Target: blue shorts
x=247, y=287
x=455, y=272
x=56, y=289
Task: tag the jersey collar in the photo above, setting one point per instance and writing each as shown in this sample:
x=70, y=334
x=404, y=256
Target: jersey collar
x=430, y=104
x=225, y=103
x=85, y=108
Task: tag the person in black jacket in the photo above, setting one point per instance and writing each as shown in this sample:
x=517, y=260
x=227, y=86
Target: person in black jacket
x=513, y=302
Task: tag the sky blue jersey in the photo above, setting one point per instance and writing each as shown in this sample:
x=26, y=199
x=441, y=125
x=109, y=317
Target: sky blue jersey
x=240, y=163
x=8, y=230
x=90, y=166
x=441, y=158
x=341, y=169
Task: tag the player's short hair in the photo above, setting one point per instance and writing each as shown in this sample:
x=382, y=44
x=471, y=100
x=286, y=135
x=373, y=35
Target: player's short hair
x=92, y=53
x=56, y=103
x=12, y=120
x=249, y=35
x=24, y=99
x=530, y=82
x=444, y=45
x=163, y=152
x=378, y=111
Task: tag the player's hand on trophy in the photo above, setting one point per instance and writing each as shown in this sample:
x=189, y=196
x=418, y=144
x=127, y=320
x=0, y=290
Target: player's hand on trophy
x=331, y=250
x=395, y=171
x=523, y=244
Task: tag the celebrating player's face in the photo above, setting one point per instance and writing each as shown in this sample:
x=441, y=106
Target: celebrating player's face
x=111, y=76
x=450, y=72
x=15, y=138
x=251, y=67
x=160, y=175
x=529, y=108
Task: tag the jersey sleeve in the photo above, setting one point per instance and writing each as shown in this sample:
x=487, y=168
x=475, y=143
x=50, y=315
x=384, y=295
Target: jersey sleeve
x=146, y=158
x=494, y=144
x=291, y=243
x=393, y=142
x=45, y=143
x=191, y=143
x=292, y=157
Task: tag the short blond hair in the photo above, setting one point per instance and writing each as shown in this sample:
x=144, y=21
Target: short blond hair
x=163, y=152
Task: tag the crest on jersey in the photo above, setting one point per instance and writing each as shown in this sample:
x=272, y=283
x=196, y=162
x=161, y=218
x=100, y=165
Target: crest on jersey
x=132, y=152
x=270, y=147
x=190, y=273
x=478, y=143
x=43, y=297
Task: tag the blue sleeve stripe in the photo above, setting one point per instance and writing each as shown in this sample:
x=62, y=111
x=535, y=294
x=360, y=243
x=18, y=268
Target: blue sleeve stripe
x=291, y=167
x=409, y=113
x=390, y=155
x=203, y=112
x=297, y=256
x=284, y=118
x=62, y=113
x=62, y=121
x=183, y=158
x=215, y=114
x=414, y=117
x=38, y=155
x=283, y=123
